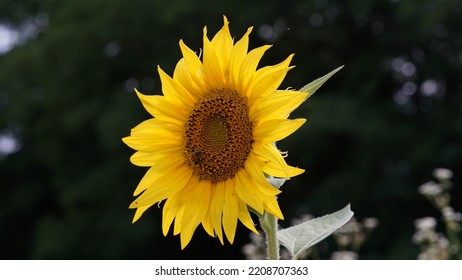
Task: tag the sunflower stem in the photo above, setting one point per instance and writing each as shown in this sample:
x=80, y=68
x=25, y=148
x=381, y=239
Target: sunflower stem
x=269, y=224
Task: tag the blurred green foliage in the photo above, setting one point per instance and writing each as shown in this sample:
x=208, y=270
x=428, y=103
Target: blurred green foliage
x=374, y=133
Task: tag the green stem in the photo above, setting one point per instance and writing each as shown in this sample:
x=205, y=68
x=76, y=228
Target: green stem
x=453, y=239
x=269, y=224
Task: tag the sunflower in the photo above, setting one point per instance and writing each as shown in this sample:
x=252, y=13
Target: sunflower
x=210, y=144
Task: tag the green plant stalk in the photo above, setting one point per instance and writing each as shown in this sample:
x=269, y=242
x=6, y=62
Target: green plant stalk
x=453, y=239
x=269, y=223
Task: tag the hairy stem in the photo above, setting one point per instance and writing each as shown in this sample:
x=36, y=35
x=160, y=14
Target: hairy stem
x=269, y=224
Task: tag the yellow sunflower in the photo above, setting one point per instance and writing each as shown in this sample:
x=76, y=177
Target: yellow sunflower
x=210, y=144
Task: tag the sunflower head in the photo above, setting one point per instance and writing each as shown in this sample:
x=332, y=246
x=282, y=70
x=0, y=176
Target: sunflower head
x=210, y=144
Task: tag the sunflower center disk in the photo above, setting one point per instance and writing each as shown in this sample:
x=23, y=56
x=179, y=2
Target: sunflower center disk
x=218, y=135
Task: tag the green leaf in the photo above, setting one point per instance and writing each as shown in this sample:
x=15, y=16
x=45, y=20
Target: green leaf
x=276, y=182
x=302, y=236
x=314, y=85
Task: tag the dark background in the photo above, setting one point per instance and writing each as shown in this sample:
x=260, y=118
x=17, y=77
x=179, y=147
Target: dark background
x=375, y=131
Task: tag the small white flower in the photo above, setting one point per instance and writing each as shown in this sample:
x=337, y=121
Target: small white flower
x=426, y=223
x=442, y=173
x=351, y=227
x=450, y=215
x=430, y=189
x=370, y=223
x=343, y=239
x=419, y=237
x=344, y=255
x=443, y=242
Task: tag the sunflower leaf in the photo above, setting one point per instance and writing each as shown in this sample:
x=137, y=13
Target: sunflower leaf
x=300, y=237
x=314, y=85
x=276, y=182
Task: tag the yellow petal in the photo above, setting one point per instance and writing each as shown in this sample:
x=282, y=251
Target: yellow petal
x=248, y=67
x=139, y=212
x=162, y=109
x=151, y=176
x=244, y=217
x=156, y=171
x=178, y=220
x=196, y=201
x=277, y=105
x=169, y=211
x=143, y=159
x=230, y=212
x=155, y=126
x=207, y=224
x=193, y=63
x=158, y=152
x=170, y=183
x=153, y=143
x=268, y=79
x=213, y=71
x=276, y=171
x=174, y=91
x=183, y=76
x=247, y=192
x=153, y=157
x=272, y=207
x=275, y=164
x=254, y=166
x=216, y=208
x=238, y=54
x=223, y=43
x=274, y=130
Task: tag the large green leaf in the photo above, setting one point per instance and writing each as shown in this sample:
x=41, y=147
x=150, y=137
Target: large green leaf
x=300, y=237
